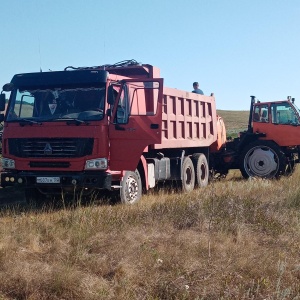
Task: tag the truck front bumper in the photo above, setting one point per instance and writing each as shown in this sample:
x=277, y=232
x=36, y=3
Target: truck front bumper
x=89, y=180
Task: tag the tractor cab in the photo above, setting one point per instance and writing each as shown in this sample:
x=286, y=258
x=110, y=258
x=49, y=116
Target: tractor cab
x=278, y=120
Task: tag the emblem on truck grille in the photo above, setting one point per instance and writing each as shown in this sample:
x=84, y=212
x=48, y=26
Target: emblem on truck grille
x=48, y=149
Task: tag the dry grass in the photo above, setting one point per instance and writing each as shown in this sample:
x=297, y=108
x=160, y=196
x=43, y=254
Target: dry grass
x=236, y=239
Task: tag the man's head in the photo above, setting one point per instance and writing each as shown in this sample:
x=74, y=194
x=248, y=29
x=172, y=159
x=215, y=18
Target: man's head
x=196, y=85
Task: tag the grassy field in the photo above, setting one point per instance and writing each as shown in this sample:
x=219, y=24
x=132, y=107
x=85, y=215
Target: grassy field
x=235, y=239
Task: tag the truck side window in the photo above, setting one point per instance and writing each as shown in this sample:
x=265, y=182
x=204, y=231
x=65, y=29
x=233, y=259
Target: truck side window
x=137, y=99
x=23, y=106
x=122, y=113
x=143, y=98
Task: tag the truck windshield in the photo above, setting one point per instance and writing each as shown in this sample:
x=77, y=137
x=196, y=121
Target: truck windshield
x=82, y=103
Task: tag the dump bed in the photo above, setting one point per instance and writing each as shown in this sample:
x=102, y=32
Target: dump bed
x=188, y=120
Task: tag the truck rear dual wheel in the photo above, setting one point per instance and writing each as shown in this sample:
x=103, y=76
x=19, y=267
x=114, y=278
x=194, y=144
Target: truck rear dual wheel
x=131, y=187
x=201, y=169
x=262, y=159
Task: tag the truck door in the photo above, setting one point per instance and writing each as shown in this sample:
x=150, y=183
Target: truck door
x=135, y=122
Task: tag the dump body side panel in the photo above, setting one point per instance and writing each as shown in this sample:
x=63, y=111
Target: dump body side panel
x=188, y=120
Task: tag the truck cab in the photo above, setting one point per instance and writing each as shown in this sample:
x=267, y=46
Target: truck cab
x=79, y=130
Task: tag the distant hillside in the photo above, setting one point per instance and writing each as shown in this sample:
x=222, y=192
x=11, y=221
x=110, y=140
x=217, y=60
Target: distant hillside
x=235, y=121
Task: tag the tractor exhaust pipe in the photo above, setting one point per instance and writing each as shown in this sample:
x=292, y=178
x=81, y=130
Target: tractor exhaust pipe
x=251, y=113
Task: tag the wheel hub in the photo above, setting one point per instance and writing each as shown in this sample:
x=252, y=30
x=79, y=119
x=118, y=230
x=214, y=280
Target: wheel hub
x=132, y=188
x=261, y=162
x=188, y=176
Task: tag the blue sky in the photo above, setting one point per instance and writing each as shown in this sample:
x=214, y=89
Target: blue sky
x=234, y=48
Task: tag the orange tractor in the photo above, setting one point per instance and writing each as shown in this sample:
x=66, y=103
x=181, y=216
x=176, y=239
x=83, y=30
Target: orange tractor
x=270, y=146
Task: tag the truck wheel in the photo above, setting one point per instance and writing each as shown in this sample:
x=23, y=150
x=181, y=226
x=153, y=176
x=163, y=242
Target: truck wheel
x=187, y=175
x=201, y=168
x=131, y=187
x=262, y=159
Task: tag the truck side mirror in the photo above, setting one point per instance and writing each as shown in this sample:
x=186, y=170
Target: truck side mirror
x=111, y=95
x=2, y=102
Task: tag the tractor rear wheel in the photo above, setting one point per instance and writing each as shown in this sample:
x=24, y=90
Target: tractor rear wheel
x=262, y=159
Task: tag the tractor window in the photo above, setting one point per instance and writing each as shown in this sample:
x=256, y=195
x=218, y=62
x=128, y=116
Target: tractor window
x=283, y=113
x=261, y=114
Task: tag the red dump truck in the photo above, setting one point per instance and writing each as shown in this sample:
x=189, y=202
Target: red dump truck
x=116, y=127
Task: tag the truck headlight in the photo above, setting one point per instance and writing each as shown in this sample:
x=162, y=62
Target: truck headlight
x=96, y=164
x=7, y=163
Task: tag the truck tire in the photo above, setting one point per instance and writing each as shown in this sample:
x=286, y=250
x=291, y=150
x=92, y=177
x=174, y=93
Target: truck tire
x=201, y=169
x=131, y=187
x=262, y=159
x=187, y=175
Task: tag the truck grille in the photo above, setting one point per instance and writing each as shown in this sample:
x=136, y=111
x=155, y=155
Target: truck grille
x=51, y=147
x=49, y=164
